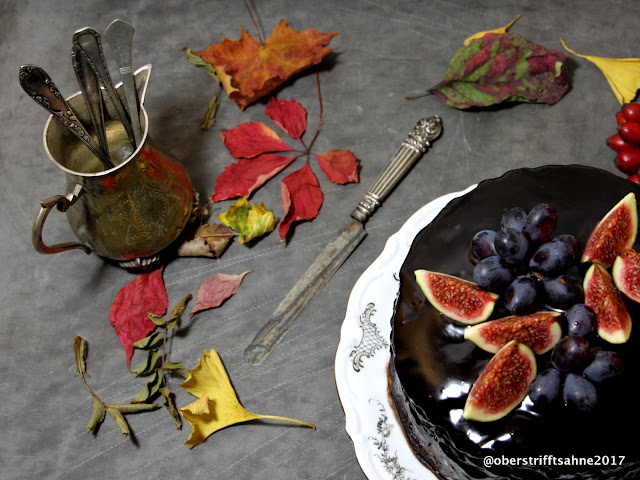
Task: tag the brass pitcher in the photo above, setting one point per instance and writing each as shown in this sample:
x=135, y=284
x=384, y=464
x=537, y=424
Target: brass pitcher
x=129, y=213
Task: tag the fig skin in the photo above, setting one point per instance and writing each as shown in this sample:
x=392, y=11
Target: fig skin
x=616, y=231
x=540, y=331
x=455, y=297
x=613, y=321
x=502, y=385
x=626, y=273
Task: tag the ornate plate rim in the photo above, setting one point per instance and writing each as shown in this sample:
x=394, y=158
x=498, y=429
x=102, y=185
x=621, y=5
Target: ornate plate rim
x=363, y=355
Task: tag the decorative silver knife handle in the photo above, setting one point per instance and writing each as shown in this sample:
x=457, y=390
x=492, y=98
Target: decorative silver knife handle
x=416, y=143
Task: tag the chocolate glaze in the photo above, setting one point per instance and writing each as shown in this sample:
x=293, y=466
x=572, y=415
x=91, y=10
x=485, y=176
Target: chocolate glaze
x=433, y=367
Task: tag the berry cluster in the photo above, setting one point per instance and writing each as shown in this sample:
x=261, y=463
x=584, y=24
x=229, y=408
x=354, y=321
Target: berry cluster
x=627, y=141
x=523, y=264
x=577, y=370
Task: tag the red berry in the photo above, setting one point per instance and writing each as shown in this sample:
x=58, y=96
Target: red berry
x=634, y=178
x=620, y=118
x=628, y=161
x=615, y=142
x=630, y=132
x=631, y=112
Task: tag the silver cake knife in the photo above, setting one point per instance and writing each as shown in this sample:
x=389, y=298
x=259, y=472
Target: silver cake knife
x=337, y=251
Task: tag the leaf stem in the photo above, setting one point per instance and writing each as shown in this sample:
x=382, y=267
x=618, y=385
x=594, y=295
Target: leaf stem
x=275, y=417
x=254, y=23
x=321, y=119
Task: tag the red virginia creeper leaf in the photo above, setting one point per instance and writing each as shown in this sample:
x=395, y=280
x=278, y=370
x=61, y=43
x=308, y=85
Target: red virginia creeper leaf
x=250, y=70
x=288, y=115
x=145, y=293
x=248, y=140
x=340, y=166
x=502, y=67
x=301, y=198
x=216, y=290
x=240, y=179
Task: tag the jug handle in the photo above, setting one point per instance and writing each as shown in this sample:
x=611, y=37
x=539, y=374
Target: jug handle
x=62, y=202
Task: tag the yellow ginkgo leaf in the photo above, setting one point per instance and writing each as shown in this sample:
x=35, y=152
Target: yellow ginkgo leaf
x=623, y=74
x=217, y=405
x=497, y=30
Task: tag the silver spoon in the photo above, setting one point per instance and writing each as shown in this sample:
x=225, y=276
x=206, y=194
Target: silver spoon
x=119, y=34
x=89, y=40
x=39, y=86
x=90, y=87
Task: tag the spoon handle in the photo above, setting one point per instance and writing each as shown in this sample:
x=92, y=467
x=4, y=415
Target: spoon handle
x=119, y=34
x=90, y=87
x=39, y=86
x=90, y=41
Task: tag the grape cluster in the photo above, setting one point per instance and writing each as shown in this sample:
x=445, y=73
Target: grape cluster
x=577, y=370
x=532, y=270
x=524, y=264
x=626, y=143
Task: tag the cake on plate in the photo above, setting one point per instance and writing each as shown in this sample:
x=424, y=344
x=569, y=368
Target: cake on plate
x=433, y=366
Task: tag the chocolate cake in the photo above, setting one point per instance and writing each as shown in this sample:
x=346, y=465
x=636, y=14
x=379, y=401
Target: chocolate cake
x=433, y=367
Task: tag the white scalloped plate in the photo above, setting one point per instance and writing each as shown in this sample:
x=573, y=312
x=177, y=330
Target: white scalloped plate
x=363, y=355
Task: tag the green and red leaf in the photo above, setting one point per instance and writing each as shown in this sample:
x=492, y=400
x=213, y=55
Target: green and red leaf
x=502, y=67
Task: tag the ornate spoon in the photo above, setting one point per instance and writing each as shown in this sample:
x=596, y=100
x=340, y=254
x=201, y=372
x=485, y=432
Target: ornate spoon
x=39, y=86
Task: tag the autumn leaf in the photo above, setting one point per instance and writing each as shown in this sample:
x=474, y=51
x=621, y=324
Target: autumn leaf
x=208, y=240
x=214, y=103
x=251, y=221
x=250, y=70
x=217, y=405
x=251, y=139
x=496, y=30
x=301, y=198
x=146, y=293
x=622, y=74
x=216, y=290
x=254, y=143
x=289, y=115
x=242, y=178
x=340, y=166
x=502, y=67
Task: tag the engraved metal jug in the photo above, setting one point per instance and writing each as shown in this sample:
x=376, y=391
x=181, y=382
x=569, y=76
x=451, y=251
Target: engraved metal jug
x=129, y=213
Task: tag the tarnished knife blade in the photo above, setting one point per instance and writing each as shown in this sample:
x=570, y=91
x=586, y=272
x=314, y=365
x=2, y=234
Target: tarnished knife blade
x=337, y=251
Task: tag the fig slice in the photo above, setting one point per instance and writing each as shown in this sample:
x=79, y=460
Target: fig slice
x=455, y=297
x=616, y=231
x=626, y=273
x=613, y=321
x=539, y=331
x=503, y=383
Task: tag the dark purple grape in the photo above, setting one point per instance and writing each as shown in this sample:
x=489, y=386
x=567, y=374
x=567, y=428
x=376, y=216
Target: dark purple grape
x=482, y=245
x=542, y=220
x=515, y=217
x=574, y=243
x=579, y=393
x=521, y=296
x=606, y=365
x=581, y=320
x=570, y=354
x=493, y=274
x=552, y=259
x=545, y=388
x=512, y=245
x=562, y=292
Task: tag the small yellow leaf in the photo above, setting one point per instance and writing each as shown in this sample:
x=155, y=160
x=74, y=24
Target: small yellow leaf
x=497, y=30
x=623, y=74
x=217, y=405
x=80, y=347
x=250, y=221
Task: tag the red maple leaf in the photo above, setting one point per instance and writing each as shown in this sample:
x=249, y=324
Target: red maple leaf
x=145, y=293
x=256, y=146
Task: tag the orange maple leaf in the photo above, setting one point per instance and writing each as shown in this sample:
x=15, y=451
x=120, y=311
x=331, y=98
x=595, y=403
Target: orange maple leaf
x=250, y=70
